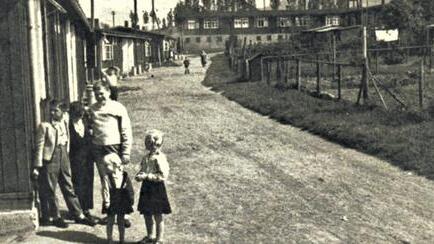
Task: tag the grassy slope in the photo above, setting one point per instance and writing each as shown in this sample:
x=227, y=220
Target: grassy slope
x=403, y=138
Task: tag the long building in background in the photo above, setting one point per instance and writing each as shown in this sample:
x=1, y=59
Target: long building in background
x=209, y=29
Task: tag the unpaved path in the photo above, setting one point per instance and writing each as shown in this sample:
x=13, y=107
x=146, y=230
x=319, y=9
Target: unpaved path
x=238, y=177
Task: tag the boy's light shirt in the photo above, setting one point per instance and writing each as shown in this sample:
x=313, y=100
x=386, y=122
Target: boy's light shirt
x=105, y=125
x=112, y=80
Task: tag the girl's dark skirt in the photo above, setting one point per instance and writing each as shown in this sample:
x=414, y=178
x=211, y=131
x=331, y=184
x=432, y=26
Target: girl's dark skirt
x=153, y=198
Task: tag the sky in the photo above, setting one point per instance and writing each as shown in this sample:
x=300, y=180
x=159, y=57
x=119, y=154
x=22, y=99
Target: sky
x=103, y=8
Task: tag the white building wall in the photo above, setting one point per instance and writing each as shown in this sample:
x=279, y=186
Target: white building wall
x=127, y=55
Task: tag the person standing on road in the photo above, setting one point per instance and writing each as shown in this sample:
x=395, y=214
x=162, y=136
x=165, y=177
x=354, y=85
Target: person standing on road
x=82, y=163
x=110, y=75
x=186, y=65
x=52, y=167
x=203, y=58
x=153, y=201
x=111, y=133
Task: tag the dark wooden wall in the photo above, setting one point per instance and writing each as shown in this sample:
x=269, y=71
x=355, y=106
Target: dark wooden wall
x=16, y=113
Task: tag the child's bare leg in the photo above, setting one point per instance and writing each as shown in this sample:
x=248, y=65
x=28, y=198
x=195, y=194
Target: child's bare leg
x=149, y=222
x=110, y=223
x=159, y=224
x=121, y=227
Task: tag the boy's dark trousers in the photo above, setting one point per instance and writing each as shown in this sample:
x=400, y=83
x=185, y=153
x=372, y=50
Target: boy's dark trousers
x=57, y=171
x=114, y=93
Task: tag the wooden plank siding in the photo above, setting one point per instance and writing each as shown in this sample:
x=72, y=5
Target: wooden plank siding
x=34, y=32
x=16, y=113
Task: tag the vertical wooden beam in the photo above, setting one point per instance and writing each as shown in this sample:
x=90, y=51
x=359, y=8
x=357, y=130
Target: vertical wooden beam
x=318, y=77
x=268, y=71
x=365, y=79
x=339, y=82
x=421, y=84
x=376, y=62
x=262, y=70
x=334, y=56
x=298, y=75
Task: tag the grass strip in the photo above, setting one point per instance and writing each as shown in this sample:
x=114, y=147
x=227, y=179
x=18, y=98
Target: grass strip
x=403, y=138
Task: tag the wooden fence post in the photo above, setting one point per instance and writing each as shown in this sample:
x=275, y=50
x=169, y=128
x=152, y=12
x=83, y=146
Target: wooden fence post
x=298, y=74
x=262, y=70
x=318, y=77
x=278, y=70
x=376, y=62
x=421, y=81
x=339, y=82
x=269, y=71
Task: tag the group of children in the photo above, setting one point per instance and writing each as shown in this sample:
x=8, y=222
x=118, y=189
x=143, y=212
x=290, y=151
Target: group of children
x=56, y=157
x=153, y=200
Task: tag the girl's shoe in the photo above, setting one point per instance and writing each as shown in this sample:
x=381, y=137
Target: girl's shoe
x=146, y=240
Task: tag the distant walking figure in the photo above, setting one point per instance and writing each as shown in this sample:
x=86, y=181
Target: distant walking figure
x=153, y=201
x=203, y=58
x=186, y=65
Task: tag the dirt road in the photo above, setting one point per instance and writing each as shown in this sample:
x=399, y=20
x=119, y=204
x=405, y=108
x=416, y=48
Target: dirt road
x=238, y=177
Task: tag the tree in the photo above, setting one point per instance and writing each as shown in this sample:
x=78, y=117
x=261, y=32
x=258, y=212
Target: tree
x=158, y=21
x=134, y=19
x=220, y=4
x=274, y=4
x=195, y=4
x=406, y=16
x=145, y=17
x=207, y=4
x=293, y=4
x=170, y=18
x=314, y=4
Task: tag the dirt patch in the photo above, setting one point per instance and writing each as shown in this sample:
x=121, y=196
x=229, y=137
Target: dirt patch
x=240, y=177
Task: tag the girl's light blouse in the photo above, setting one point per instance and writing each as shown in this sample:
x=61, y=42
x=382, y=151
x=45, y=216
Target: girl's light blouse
x=156, y=164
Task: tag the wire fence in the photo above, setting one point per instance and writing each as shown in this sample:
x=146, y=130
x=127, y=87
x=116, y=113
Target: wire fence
x=397, y=77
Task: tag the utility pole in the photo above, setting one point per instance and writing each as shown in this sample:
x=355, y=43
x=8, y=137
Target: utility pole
x=135, y=15
x=113, y=18
x=154, y=15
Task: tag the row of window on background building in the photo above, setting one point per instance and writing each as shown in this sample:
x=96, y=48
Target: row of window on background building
x=263, y=22
x=199, y=39
x=218, y=39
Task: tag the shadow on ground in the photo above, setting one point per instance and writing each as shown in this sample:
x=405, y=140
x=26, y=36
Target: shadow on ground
x=72, y=236
x=404, y=139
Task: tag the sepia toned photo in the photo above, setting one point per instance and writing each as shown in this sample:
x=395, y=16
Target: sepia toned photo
x=217, y=121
